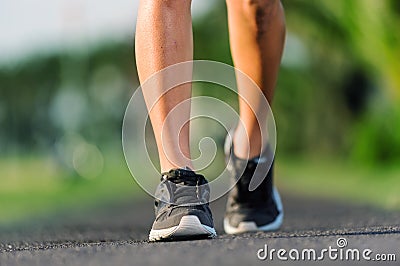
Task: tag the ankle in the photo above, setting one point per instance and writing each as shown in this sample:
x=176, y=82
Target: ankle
x=246, y=149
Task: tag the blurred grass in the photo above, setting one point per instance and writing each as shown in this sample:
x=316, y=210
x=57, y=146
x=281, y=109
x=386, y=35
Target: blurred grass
x=340, y=180
x=35, y=186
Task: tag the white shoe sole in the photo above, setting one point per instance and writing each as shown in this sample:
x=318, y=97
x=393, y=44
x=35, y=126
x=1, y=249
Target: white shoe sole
x=249, y=226
x=189, y=227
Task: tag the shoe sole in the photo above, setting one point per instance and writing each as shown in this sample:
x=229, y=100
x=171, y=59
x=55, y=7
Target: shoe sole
x=189, y=227
x=250, y=226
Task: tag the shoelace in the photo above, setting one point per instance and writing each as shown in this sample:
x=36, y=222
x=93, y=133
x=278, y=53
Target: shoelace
x=181, y=176
x=186, y=189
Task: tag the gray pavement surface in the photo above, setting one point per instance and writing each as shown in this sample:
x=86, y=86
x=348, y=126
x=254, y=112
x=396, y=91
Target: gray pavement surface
x=117, y=235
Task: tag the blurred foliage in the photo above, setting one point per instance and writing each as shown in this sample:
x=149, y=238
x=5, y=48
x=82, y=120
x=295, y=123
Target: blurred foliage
x=364, y=30
x=357, y=42
x=51, y=101
x=338, y=92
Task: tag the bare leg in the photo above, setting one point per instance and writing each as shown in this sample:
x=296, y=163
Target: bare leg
x=163, y=38
x=257, y=34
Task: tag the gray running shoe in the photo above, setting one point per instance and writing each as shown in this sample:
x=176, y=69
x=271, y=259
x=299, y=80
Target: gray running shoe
x=257, y=210
x=181, y=207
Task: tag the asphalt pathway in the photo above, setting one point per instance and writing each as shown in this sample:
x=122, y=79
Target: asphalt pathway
x=116, y=234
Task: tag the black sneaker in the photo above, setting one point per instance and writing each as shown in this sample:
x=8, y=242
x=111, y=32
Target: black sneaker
x=181, y=207
x=254, y=203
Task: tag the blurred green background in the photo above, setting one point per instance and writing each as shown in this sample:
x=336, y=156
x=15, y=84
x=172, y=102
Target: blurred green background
x=63, y=94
